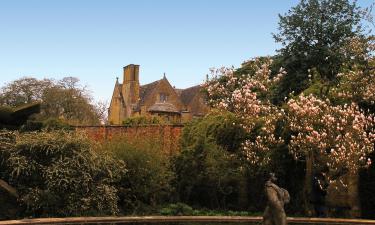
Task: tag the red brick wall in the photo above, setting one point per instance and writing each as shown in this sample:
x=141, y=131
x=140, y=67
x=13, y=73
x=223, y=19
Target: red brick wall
x=168, y=134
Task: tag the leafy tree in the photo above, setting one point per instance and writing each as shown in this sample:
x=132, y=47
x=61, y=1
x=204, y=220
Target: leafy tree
x=69, y=105
x=314, y=34
x=24, y=91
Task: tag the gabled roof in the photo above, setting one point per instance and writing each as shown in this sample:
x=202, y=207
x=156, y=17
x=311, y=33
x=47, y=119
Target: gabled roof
x=146, y=90
x=189, y=93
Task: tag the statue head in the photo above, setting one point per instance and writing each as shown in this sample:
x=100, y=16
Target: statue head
x=272, y=177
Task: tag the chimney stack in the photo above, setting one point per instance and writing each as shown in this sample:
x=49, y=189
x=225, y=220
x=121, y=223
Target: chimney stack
x=131, y=73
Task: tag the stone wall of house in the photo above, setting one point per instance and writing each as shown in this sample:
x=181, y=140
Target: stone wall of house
x=168, y=134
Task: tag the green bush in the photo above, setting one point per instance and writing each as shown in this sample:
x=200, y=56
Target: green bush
x=55, y=124
x=221, y=128
x=146, y=185
x=209, y=173
x=178, y=209
x=142, y=120
x=59, y=174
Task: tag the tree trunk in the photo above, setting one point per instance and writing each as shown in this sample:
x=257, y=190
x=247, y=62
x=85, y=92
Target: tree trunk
x=353, y=192
x=308, y=187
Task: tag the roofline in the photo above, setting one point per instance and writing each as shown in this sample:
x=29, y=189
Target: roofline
x=159, y=111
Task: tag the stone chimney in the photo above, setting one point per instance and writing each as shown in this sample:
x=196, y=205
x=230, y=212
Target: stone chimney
x=131, y=73
x=130, y=87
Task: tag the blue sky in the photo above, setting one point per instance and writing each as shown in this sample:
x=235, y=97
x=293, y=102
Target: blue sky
x=93, y=40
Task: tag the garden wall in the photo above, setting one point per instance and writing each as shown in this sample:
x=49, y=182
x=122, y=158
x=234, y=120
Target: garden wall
x=168, y=134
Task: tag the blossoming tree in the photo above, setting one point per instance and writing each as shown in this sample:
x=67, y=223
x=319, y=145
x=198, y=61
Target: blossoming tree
x=247, y=95
x=338, y=137
x=341, y=135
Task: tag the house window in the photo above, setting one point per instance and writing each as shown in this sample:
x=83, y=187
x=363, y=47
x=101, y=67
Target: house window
x=163, y=97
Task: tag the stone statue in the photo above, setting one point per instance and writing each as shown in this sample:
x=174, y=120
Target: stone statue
x=14, y=118
x=277, y=197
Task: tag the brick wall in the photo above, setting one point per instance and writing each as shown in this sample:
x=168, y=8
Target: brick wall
x=168, y=134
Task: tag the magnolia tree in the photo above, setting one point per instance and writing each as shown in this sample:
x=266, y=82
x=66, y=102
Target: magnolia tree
x=341, y=135
x=358, y=82
x=338, y=137
x=247, y=95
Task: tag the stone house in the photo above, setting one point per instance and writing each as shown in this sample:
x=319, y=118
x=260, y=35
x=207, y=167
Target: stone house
x=159, y=98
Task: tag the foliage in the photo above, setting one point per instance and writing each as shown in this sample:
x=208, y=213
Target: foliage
x=65, y=99
x=314, y=34
x=142, y=120
x=147, y=182
x=223, y=128
x=59, y=174
x=178, y=209
x=208, y=169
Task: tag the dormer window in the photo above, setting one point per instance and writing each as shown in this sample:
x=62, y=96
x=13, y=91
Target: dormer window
x=163, y=97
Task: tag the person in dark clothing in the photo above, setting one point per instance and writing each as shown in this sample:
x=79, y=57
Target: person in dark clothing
x=319, y=192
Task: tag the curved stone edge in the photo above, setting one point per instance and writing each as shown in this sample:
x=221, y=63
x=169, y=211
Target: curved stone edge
x=158, y=219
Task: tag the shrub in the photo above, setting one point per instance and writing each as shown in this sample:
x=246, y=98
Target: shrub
x=147, y=182
x=178, y=209
x=59, y=174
